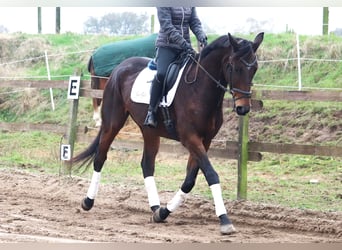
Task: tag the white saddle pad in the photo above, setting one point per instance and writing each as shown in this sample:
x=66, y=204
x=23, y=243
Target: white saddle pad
x=141, y=89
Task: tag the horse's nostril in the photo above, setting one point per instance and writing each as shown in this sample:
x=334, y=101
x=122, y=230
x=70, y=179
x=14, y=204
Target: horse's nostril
x=242, y=110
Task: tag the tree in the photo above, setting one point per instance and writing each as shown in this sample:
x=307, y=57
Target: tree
x=338, y=32
x=92, y=26
x=3, y=29
x=255, y=26
x=126, y=23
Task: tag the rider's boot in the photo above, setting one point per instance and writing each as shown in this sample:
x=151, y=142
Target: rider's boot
x=156, y=92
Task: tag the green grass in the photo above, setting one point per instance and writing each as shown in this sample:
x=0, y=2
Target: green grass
x=285, y=73
x=298, y=122
x=30, y=149
x=69, y=51
x=288, y=179
x=35, y=107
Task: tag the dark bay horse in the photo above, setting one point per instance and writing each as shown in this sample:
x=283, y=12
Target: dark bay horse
x=108, y=56
x=227, y=64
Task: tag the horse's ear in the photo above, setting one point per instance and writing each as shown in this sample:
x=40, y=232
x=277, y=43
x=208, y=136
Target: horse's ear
x=257, y=41
x=233, y=42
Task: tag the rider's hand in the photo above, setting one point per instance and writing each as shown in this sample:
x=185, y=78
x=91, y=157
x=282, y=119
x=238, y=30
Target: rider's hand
x=188, y=48
x=203, y=40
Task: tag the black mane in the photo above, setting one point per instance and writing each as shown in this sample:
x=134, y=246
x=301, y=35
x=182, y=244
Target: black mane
x=223, y=42
x=220, y=42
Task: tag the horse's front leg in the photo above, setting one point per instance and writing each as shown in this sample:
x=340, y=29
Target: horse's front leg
x=212, y=178
x=199, y=152
x=179, y=198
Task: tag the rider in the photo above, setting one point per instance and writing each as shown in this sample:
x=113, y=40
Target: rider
x=173, y=39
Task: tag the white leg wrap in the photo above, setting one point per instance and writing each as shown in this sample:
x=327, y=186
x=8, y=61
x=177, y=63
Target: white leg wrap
x=97, y=118
x=94, y=185
x=152, y=193
x=218, y=201
x=176, y=201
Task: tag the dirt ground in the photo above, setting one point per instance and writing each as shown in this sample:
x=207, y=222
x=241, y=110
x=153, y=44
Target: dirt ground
x=46, y=208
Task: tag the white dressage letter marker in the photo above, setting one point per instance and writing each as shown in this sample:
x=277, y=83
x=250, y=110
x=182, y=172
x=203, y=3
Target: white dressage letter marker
x=217, y=195
x=152, y=193
x=65, y=152
x=94, y=185
x=74, y=87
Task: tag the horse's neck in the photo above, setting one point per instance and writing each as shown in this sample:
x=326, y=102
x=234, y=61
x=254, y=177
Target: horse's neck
x=213, y=69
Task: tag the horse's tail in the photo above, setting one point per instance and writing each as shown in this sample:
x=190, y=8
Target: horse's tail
x=85, y=158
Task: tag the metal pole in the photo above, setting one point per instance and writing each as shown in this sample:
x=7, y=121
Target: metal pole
x=49, y=78
x=299, y=66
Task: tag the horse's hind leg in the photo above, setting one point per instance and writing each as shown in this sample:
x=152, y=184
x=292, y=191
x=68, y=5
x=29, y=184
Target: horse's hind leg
x=107, y=136
x=100, y=157
x=95, y=84
x=151, y=146
x=97, y=114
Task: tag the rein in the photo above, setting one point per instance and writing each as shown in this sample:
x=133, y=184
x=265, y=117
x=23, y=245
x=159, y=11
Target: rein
x=218, y=83
x=232, y=90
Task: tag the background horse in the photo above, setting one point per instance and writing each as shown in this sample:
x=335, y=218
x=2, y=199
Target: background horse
x=107, y=57
x=228, y=63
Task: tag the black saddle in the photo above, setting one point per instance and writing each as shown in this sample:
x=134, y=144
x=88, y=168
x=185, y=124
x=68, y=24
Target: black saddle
x=172, y=73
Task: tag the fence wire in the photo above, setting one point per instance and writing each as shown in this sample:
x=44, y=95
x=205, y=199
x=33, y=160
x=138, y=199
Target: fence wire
x=89, y=51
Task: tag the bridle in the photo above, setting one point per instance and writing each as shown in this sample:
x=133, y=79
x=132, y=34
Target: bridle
x=229, y=69
x=232, y=89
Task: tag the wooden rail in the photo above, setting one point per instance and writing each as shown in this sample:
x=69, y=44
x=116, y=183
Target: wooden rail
x=320, y=96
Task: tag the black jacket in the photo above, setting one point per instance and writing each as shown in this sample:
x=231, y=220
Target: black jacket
x=175, y=26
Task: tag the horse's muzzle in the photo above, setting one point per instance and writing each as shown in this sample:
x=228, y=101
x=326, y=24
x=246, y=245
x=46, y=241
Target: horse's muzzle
x=242, y=110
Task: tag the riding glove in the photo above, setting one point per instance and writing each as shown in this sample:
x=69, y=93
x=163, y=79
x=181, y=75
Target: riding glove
x=203, y=40
x=188, y=48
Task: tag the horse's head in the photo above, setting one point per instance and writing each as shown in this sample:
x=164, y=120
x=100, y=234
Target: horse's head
x=241, y=68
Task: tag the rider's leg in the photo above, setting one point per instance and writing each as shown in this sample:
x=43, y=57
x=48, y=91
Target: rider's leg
x=164, y=57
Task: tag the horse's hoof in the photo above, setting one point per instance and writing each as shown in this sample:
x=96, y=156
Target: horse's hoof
x=87, y=204
x=156, y=216
x=227, y=229
x=160, y=215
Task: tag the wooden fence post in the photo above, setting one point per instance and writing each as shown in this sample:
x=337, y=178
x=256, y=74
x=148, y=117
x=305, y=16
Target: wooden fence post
x=72, y=127
x=58, y=20
x=242, y=157
x=39, y=20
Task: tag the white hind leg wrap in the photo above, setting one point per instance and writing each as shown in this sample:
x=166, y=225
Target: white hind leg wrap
x=176, y=201
x=97, y=118
x=94, y=185
x=218, y=201
x=152, y=193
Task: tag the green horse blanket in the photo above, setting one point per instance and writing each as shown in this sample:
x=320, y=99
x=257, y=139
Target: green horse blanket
x=108, y=56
